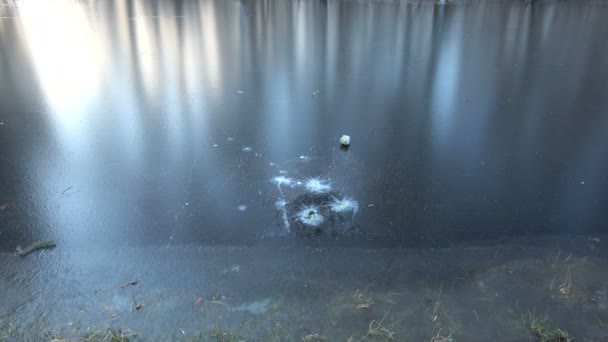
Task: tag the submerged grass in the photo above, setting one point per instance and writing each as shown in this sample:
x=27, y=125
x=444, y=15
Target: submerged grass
x=565, y=289
x=219, y=335
x=7, y=332
x=313, y=338
x=377, y=330
x=101, y=335
x=545, y=330
x=362, y=301
x=443, y=335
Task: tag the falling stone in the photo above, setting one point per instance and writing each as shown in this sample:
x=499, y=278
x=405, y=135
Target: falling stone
x=345, y=140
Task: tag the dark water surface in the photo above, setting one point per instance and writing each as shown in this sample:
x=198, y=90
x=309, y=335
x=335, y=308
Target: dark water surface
x=124, y=122
x=193, y=145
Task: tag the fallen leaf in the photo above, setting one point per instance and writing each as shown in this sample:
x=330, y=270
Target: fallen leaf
x=133, y=283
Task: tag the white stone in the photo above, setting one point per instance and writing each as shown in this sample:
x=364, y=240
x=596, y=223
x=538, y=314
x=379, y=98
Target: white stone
x=345, y=140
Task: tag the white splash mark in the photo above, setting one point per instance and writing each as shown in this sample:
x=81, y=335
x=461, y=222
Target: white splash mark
x=230, y=139
x=317, y=185
x=240, y=92
x=235, y=269
x=310, y=215
x=283, y=172
x=247, y=149
x=304, y=158
x=282, y=180
x=256, y=308
x=281, y=206
x=346, y=204
x=242, y=207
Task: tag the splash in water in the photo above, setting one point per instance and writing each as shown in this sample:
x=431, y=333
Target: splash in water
x=247, y=149
x=282, y=180
x=317, y=185
x=310, y=215
x=344, y=205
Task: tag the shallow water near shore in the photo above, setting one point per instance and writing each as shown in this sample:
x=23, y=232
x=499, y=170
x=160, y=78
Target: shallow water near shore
x=283, y=293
